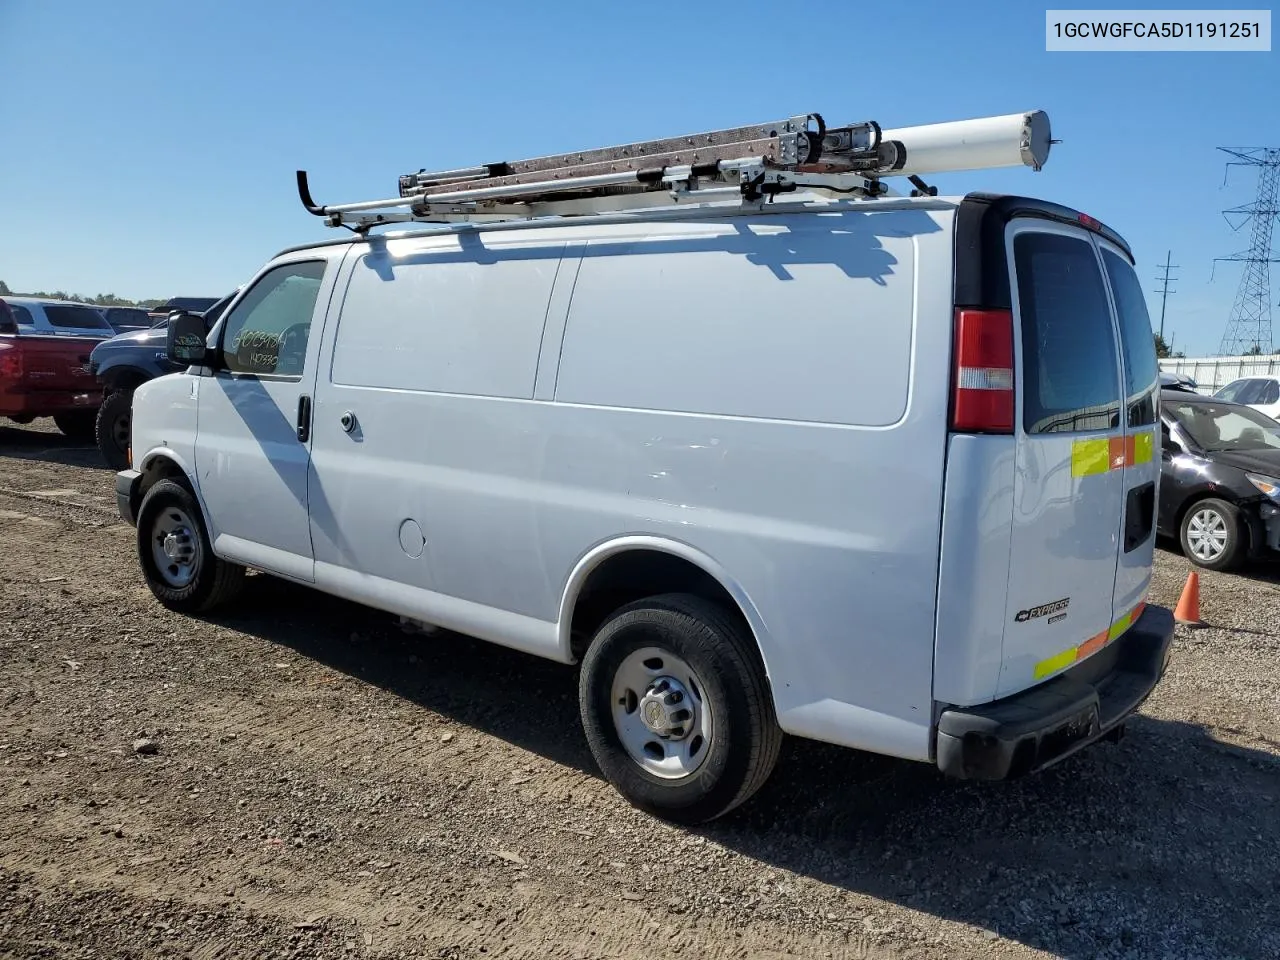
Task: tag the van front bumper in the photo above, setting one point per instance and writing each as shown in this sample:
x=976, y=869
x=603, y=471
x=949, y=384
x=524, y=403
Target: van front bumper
x=1038, y=727
x=128, y=483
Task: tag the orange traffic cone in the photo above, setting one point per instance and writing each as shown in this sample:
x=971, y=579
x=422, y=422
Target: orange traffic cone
x=1188, y=609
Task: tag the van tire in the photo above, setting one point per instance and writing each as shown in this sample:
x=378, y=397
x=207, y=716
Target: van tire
x=1201, y=516
x=75, y=424
x=743, y=743
x=170, y=506
x=115, y=407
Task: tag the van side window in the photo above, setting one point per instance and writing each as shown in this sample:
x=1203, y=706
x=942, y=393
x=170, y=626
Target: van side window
x=1137, y=341
x=1270, y=393
x=267, y=333
x=1070, y=380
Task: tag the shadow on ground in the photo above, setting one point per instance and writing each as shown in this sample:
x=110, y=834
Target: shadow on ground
x=30, y=443
x=1146, y=848
x=1266, y=571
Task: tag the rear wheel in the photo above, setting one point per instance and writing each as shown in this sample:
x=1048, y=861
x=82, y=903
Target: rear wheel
x=112, y=428
x=76, y=424
x=173, y=549
x=1212, y=535
x=677, y=710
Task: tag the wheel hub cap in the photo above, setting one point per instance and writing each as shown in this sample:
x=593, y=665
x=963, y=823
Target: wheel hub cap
x=661, y=713
x=1208, y=534
x=668, y=710
x=177, y=547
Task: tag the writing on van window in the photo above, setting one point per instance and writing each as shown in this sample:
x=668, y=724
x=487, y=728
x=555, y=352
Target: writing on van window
x=267, y=332
x=1070, y=365
x=257, y=351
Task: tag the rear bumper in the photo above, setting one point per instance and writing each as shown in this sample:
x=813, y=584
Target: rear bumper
x=45, y=403
x=128, y=484
x=1038, y=727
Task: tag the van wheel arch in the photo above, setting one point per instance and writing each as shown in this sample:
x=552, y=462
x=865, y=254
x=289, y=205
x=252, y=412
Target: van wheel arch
x=161, y=467
x=626, y=574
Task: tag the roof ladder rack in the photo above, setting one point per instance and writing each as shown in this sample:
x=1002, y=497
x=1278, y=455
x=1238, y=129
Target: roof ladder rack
x=748, y=164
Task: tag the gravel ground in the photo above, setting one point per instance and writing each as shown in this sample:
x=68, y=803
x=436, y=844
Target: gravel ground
x=300, y=778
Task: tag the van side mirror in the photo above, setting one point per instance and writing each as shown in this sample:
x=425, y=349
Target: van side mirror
x=1166, y=442
x=186, y=344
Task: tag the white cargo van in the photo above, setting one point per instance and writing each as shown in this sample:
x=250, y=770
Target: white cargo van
x=874, y=471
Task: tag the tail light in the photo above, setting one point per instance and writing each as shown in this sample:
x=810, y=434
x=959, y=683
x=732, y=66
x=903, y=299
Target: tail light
x=982, y=389
x=10, y=362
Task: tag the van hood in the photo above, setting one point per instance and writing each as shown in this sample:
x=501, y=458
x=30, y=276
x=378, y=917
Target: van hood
x=1254, y=461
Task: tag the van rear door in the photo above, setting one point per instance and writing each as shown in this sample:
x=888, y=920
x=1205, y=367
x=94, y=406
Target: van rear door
x=1071, y=447
x=1141, y=471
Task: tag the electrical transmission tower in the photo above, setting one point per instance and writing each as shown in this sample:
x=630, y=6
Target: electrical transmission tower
x=1165, y=289
x=1249, y=323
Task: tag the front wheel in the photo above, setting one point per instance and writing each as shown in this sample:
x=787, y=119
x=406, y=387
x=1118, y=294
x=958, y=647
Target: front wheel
x=1212, y=535
x=173, y=549
x=677, y=710
x=112, y=428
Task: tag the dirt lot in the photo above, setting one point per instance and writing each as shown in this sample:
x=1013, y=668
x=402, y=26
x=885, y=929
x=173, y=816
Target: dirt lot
x=326, y=786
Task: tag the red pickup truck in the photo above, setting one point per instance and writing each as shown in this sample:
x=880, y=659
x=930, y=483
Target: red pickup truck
x=46, y=374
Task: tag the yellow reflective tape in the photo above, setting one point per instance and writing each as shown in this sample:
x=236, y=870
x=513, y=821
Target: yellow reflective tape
x=1090, y=456
x=1055, y=663
x=1125, y=622
x=1143, y=444
x=1067, y=657
x=1103, y=454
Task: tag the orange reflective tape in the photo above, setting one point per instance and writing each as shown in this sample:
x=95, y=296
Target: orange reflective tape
x=1104, y=454
x=1066, y=658
x=1117, y=447
x=1092, y=645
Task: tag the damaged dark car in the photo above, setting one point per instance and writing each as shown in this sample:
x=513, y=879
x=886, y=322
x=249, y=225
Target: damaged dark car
x=1220, y=481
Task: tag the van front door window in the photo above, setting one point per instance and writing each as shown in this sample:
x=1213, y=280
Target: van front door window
x=267, y=333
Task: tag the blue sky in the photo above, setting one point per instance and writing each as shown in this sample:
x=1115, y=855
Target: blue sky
x=150, y=146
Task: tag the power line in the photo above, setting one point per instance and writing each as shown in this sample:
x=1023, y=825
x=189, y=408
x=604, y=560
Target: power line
x=1164, y=289
x=1249, y=323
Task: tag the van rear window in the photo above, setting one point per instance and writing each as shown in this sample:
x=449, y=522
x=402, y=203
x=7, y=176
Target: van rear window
x=1070, y=380
x=1137, y=340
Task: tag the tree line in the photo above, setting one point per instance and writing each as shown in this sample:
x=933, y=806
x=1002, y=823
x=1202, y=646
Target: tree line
x=101, y=300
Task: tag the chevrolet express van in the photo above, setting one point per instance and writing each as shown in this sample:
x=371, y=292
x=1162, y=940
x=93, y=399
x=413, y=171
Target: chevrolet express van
x=874, y=472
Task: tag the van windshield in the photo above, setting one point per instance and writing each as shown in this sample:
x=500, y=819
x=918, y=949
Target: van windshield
x=1219, y=427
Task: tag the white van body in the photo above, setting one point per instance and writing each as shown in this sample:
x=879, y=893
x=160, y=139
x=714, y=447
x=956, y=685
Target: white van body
x=507, y=430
